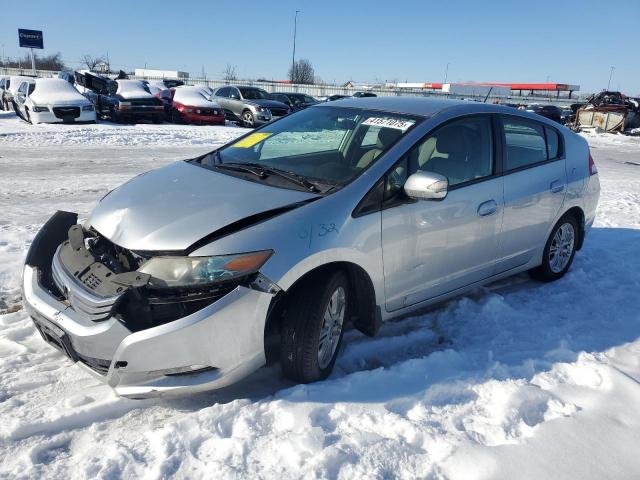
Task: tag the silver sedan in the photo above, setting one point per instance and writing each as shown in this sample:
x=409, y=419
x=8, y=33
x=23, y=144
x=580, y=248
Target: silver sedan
x=345, y=213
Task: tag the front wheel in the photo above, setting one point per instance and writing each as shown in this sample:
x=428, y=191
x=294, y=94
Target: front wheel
x=247, y=119
x=313, y=327
x=558, y=251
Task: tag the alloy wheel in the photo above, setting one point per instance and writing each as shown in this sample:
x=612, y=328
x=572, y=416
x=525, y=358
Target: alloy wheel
x=331, y=329
x=561, y=247
x=247, y=118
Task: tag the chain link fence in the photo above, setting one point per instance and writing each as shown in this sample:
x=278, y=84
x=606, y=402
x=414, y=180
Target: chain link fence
x=327, y=90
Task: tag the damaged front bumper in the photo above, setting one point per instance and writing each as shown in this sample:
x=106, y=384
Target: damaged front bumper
x=209, y=348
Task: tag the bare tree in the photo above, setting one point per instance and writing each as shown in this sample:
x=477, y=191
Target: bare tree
x=229, y=73
x=47, y=62
x=302, y=72
x=92, y=62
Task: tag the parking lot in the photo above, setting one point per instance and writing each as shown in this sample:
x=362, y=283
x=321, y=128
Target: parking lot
x=497, y=377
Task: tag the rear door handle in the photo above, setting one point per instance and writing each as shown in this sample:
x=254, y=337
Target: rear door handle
x=487, y=208
x=557, y=186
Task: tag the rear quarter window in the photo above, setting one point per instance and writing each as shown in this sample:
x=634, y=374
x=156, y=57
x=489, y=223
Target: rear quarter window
x=554, y=145
x=525, y=143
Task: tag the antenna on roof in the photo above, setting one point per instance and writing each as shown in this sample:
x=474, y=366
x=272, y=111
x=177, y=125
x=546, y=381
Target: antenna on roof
x=488, y=93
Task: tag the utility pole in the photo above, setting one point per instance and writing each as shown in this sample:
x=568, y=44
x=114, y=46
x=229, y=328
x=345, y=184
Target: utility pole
x=293, y=56
x=33, y=63
x=610, y=75
x=446, y=73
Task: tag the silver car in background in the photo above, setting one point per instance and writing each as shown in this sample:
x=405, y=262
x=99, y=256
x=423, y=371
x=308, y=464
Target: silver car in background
x=250, y=106
x=349, y=212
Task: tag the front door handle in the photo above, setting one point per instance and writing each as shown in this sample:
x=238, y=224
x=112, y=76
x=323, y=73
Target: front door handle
x=557, y=186
x=487, y=208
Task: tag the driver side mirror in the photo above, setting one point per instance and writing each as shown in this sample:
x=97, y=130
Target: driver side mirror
x=426, y=186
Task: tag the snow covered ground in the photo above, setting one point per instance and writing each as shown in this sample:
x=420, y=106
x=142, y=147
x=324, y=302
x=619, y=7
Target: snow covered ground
x=517, y=380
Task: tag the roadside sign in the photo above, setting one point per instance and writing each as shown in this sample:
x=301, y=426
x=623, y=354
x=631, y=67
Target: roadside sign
x=30, y=38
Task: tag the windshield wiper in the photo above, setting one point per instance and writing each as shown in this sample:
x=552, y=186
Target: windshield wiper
x=262, y=171
x=240, y=167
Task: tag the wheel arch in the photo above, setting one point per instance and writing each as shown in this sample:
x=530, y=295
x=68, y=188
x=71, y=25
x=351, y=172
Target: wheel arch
x=578, y=214
x=366, y=314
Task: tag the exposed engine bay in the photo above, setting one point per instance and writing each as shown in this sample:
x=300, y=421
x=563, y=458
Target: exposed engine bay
x=114, y=287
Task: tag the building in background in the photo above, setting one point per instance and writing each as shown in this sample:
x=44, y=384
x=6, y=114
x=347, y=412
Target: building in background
x=152, y=73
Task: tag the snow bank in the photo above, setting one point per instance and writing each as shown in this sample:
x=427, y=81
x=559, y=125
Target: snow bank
x=14, y=132
x=518, y=380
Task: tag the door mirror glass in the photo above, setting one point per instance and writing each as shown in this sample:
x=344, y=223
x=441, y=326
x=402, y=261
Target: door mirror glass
x=424, y=185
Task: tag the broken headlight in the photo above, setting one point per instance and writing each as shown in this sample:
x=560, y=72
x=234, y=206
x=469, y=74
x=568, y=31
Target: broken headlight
x=200, y=271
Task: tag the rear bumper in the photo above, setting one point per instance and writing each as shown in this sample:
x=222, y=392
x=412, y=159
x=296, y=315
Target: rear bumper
x=208, y=119
x=220, y=343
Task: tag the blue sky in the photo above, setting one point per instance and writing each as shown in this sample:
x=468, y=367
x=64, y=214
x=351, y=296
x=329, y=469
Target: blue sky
x=565, y=41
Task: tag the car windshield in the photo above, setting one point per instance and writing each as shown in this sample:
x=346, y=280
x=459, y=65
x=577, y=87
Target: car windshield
x=326, y=145
x=254, y=94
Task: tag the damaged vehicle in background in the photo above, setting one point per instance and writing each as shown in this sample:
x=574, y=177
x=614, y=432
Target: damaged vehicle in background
x=191, y=105
x=52, y=100
x=249, y=106
x=610, y=111
x=9, y=88
x=120, y=100
x=295, y=101
x=192, y=276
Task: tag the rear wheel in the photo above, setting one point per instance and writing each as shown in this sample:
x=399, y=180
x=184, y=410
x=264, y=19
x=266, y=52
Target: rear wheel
x=247, y=119
x=559, y=250
x=313, y=327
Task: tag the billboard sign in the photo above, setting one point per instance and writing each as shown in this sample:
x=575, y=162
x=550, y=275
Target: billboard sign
x=30, y=38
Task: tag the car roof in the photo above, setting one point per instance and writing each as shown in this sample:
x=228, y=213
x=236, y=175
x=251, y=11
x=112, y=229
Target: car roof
x=409, y=105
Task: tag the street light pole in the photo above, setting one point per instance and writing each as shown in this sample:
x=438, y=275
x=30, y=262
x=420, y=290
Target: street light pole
x=293, y=56
x=610, y=75
x=446, y=73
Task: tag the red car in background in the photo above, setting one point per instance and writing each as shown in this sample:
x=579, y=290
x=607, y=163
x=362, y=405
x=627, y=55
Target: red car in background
x=192, y=105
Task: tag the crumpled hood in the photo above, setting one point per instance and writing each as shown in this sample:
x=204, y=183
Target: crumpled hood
x=175, y=206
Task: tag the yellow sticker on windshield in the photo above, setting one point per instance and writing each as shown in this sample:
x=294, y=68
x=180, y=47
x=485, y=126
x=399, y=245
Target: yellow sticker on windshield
x=251, y=140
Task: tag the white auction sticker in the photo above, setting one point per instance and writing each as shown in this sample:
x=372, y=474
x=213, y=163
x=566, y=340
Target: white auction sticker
x=389, y=123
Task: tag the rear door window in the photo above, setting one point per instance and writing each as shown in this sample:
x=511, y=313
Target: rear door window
x=525, y=143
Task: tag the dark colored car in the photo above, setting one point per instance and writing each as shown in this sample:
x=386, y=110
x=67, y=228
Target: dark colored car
x=296, y=101
x=120, y=100
x=333, y=98
x=364, y=94
x=549, y=111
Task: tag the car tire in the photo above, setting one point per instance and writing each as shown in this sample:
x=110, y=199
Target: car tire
x=114, y=116
x=175, y=118
x=559, y=250
x=313, y=327
x=248, y=119
x=28, y=117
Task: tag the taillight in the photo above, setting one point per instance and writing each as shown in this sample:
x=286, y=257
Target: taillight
x=592, y=166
